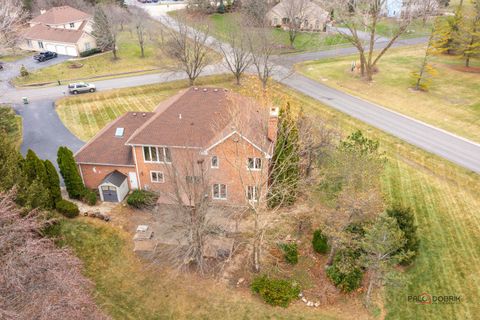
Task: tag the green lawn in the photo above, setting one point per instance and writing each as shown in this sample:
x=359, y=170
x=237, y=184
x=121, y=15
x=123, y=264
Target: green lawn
x=9, y=56
x=452, y=103
x=102, y=65
x=444, y=196
x=417, y=28
x=222, y=24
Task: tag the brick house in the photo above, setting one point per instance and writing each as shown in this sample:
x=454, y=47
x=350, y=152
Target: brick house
x=200, y=133
x=64, y=30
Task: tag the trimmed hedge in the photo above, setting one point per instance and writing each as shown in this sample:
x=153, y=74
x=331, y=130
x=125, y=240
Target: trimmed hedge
x=275, y=292
x=90, y=52
x=67, y=208
x=141, y=199
x=320, y=242
x=344, y=272
x=290, y=252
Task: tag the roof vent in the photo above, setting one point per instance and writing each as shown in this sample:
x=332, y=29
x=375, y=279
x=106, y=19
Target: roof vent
x=205, y=89
x=119, y=132
x=225, y=90
x=196, y=89
x=134, y=114
x=144, y=114
x=216, y=90
x=179, y=116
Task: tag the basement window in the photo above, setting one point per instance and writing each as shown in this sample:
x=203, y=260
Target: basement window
x=119, y=132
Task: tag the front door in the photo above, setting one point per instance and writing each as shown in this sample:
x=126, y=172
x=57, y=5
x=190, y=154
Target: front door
x=132, y=176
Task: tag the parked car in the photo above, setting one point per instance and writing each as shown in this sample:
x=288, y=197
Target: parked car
x=75, y=88
x=44, y=56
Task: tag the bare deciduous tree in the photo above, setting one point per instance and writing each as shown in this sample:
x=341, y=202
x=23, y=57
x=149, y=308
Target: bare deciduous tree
x=295, y=12
x=190, y=194
x=141, y=23
x=188, y=47
x=37, y=279
x=361, y=18
x=261, y=45
x=86, y=6
x=12, y=17
x=236, y=53
x=108, y=21
x=256, y=11
x=427, y=8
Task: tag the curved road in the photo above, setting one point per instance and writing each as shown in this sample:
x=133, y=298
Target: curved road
x=44, y=132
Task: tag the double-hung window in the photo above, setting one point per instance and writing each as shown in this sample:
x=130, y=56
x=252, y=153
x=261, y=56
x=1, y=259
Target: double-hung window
x=254, y=163
x=252, y=193
x=219, y=191
x=157, y=154
x=157, y=176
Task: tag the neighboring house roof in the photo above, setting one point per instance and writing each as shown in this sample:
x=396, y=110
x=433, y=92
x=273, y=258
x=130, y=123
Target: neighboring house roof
x=311, y=9
x=106, y=148
x=199, y=117
x=115, y=177
x=42, y=32
x=61, y=15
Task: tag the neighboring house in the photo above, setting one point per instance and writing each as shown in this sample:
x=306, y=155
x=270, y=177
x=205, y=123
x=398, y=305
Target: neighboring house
x=63, y=30
x=313, y=17
x=397, y=8
x=228, y=135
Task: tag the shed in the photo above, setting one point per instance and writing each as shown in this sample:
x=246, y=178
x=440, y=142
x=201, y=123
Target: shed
x=114, y=187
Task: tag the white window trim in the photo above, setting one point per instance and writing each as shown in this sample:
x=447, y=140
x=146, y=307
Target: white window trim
x=219, y=191
x=157, y=172
x=149, y=151
x=218, y=163
x=254, y=161
x=254, y=193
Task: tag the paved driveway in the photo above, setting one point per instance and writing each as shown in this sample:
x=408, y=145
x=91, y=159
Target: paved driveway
x=43, y=132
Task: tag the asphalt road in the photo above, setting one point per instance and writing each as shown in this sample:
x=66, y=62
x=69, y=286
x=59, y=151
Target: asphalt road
x=290, y=60
x=437, y=141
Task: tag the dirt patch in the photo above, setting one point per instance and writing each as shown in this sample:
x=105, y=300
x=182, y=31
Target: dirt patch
x=465, y=69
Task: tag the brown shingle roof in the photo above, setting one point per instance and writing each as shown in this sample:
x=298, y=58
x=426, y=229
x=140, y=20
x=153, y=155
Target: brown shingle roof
x=106, y=148
x=41, y=32
x=60, y=15
x=196, y=118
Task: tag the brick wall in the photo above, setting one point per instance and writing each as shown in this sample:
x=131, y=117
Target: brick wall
x=94, y=174
x=232, y=154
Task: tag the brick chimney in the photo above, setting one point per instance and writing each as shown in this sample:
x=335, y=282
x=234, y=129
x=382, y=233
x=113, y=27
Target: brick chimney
x=273, y=124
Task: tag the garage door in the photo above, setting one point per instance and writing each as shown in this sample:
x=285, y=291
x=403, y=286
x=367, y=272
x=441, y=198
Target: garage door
x=71, y=51
x=60, y=50
x=109, y=194
x=51, y=47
